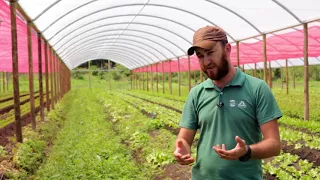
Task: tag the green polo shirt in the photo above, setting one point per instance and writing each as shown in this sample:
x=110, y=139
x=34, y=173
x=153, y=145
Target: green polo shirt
x=248, y=103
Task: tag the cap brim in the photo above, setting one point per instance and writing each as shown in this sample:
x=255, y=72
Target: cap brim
x=203, y=44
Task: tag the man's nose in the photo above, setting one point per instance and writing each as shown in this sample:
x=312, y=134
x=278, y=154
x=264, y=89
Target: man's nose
x=206, y=60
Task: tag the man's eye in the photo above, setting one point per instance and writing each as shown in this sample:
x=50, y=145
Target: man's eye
x=199, y=56
x=210, y=52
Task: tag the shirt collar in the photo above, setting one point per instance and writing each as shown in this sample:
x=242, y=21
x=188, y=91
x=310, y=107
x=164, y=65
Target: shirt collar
x=237, y=80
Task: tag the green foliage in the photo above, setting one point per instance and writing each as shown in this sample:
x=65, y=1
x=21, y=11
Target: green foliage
x=123, y=70
x=313, y=126
x=154, y=145
x=287, y=166
x=77, y=74
x=296, y=100
x=102, y=75
x=3, y=152
x=116, y=75
x=87, y=147
x=158, y=159
x=310, y=141
x=94, y=71
x=139, y=139
x=29, y=155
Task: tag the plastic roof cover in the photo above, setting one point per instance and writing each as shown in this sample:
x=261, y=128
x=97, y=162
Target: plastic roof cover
x=136, y=33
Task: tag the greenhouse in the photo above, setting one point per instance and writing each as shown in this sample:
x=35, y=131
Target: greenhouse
x=93, y=89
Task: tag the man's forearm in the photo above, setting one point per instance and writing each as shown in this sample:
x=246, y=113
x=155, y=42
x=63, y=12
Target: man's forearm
x=265, y=149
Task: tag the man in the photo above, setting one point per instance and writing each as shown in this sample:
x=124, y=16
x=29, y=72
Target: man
x=232, y=111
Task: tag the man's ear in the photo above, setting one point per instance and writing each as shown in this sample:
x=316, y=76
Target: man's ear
x=228, y=49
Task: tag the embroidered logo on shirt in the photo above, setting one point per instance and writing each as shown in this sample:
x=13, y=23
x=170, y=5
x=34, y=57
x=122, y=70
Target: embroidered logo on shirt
x=242, y=104
x=232, y=103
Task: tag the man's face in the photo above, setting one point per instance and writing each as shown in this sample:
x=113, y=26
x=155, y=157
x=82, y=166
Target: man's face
x=214, y=61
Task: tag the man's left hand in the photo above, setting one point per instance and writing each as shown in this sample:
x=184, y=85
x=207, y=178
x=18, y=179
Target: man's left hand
x=233, y=154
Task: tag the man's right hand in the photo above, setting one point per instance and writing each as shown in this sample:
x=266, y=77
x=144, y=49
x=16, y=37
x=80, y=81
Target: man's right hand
x=182, y=152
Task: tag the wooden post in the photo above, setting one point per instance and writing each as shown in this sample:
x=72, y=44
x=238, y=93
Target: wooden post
x=287, y=76
x=255, y=69
x=170, y=77
x=4, y=81
x=143, y=84
x=55, y=77
x=162, y=63
x=7, y=80
x=89, y=68
x=51, y=78
x=61, y=78
x=151, y=78
x=243, y=68
x=281, y=73
x=139, y=80
x=110, y=78
x=293, y=77
x=157, y=77
x=265, y=57
x=135, y=80
x=270, y=75
x=189, y=79
x=306, y=73
x=15, y=71
x=195, y=78
x=238, y=55
x=40, y=78
x=131, y=79
x=64, y=81
x=31, y=88
x=58, y=78
x=47, y=75
x=147, y=78
x=179, y=78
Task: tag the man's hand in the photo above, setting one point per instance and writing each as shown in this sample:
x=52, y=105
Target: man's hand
x=182, y=152
x=233, y=154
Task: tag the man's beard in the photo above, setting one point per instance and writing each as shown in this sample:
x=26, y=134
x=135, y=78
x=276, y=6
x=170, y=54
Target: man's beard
x=219, y=71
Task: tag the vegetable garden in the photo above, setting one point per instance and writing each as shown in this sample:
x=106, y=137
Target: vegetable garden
x=95, y=89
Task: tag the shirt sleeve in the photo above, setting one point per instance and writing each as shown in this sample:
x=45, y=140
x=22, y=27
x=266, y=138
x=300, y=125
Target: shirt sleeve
x=189, y=118
x=267, y=108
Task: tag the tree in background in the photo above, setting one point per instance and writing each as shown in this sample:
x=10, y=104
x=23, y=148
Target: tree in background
x=119, y=72
x=78, y=74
